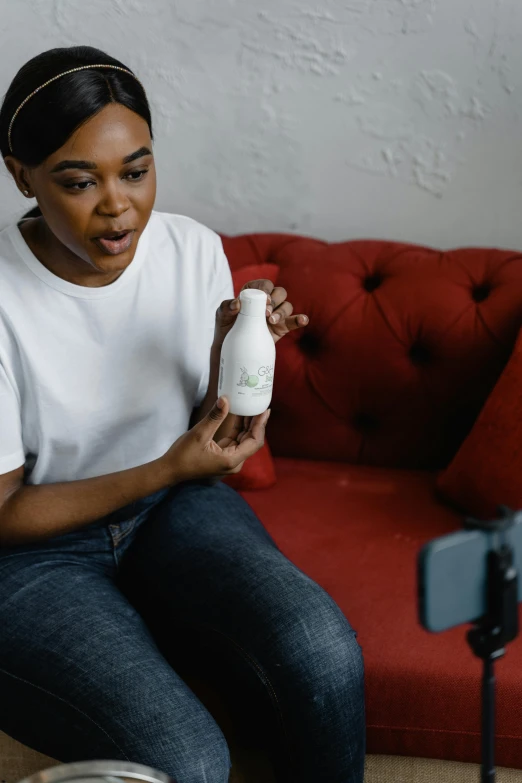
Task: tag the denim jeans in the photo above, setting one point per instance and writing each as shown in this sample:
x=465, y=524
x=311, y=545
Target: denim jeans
x=93, y=625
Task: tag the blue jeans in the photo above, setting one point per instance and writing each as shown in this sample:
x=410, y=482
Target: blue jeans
x=95, y=623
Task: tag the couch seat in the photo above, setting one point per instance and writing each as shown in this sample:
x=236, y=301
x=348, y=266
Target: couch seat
x=357, y=531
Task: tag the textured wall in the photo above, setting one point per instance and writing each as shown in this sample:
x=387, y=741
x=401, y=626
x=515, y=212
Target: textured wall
x=339, y=118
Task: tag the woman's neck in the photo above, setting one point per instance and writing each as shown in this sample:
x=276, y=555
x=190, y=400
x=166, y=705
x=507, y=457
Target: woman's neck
x=58, y=259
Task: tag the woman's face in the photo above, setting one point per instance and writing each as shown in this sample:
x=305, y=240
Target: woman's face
x=96, y=193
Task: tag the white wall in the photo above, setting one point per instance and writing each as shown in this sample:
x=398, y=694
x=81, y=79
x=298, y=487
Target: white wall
x=337, y=118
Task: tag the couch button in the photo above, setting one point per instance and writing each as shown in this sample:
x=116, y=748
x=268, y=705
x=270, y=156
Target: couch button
x=420, y=354
x=480, y=292
x=364, y=422
x=309, y=343
x=371, y=282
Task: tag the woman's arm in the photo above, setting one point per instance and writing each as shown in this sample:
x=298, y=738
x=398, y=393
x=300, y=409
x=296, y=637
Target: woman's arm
x=33, y=512
x=29, y=513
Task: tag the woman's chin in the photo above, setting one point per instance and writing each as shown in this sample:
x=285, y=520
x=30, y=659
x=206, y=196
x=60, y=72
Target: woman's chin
x=110, y=263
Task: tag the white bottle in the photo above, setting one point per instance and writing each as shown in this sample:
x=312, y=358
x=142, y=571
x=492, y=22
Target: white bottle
x=246, y=372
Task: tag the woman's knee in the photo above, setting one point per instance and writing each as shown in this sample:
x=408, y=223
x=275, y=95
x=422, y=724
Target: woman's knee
x=321, y=648
x=186, y=743
x=201, y=759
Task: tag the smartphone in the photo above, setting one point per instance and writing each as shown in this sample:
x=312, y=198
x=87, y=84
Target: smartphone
x=452, y=575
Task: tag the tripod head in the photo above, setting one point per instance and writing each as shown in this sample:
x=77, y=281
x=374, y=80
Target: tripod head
x=505, y=521
x=491, y=633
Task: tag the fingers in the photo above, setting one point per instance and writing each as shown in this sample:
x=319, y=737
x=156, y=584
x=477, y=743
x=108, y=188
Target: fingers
x=227, y=312
x=278, y=296
x=247, y=449
x=235, y=451
x=207, y=427
x=259, y=423
x=279, y=311
x=224, y=443
x=236, y=425
x=284, y=311
x=245, y=434
x=294, y=322
x=255, y=438
x=262, y=285
x=238, y=428
x=283, y=321
x=248, y=423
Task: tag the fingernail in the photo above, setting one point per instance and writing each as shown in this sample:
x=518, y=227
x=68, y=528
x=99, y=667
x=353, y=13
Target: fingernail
x=221, y=403
x=305, y=319
x=234, y=304
x=275, y=318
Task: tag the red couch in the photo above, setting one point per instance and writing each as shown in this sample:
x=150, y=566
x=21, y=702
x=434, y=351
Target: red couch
x=404, y=345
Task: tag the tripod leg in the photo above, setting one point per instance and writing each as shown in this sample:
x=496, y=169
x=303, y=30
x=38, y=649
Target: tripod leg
x=488, y=721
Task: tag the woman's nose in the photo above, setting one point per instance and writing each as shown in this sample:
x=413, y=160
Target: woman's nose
x=113, y=203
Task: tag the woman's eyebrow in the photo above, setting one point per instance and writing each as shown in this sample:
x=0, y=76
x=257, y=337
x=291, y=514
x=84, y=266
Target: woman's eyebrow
x=89, y=165
x=138, y=154
x=73, y=164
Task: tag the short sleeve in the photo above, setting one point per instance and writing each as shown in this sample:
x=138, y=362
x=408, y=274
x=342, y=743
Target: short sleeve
x=219, y=289
x=222, y=287
x=12, y=454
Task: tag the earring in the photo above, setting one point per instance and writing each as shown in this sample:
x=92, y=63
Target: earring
x=26, y=192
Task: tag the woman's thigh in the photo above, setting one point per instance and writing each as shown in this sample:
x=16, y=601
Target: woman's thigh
x=205, y=558
x=81, y=676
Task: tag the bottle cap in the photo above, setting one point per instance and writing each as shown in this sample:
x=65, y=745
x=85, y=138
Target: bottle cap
x=253, y=302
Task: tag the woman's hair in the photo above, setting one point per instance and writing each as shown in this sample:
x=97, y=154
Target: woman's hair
x=50, y=116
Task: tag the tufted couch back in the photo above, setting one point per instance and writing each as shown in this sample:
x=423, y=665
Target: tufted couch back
x=403, y=347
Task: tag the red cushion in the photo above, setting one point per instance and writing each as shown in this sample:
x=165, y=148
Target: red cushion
x=404, y=345
x=258, y=472
x=357, y=531
x=487, y=470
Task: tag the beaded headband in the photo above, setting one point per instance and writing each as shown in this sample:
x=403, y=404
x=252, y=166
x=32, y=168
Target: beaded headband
x=45, y=84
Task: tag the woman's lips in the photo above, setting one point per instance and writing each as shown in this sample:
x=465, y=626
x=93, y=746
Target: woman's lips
x=114, y=247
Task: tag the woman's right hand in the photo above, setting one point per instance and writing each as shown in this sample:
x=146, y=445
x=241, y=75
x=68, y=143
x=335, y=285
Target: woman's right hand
x=196, y=455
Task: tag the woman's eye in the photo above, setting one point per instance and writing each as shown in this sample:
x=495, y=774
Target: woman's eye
x=83, y=185
x=135, y=176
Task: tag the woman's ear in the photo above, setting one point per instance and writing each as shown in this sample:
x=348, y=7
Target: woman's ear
x=19, y=174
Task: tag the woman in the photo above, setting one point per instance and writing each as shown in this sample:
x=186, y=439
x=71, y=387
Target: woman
x=118, y=549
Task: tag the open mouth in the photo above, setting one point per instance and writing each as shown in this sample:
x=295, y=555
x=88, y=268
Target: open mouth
x=115, y=242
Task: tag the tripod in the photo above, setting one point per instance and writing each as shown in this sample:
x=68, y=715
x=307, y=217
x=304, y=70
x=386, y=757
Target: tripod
x=491, y=633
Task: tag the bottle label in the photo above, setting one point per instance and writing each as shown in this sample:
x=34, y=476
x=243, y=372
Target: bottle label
x=252, y=380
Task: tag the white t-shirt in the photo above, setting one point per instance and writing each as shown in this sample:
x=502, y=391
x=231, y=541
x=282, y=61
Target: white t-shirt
x=97, y=380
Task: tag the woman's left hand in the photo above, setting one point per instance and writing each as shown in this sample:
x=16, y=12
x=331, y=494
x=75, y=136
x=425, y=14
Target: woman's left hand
x=279, y=312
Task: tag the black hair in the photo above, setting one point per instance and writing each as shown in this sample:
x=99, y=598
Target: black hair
x=47, y=120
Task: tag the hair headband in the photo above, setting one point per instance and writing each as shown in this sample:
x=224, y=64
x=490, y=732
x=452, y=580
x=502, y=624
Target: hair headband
x=45, y=84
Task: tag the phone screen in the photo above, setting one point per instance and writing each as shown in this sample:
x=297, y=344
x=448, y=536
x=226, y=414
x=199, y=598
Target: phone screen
x=453, y=576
